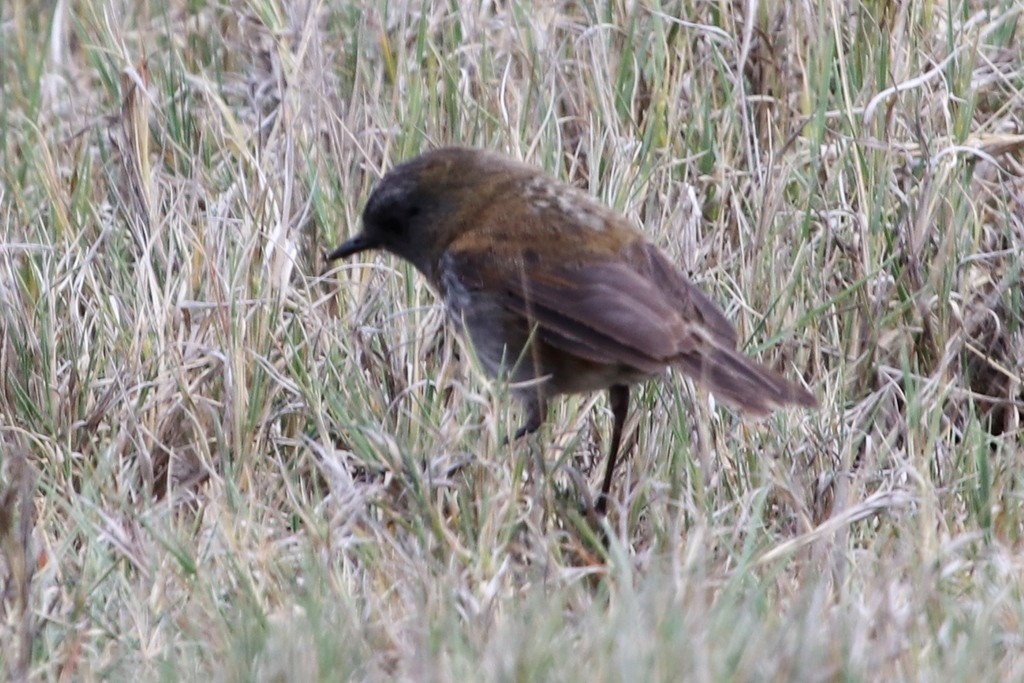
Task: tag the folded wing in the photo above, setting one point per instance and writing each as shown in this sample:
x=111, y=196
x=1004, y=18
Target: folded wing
x=635, y=310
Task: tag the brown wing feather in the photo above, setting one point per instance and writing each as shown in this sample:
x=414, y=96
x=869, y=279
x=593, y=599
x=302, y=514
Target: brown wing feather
x=689, y=301
x=742, y=382
x=731, y=376
x=608, y=299
x=604, y=312
x=637, y=312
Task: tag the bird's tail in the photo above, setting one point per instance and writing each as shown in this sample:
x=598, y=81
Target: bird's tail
x=742, y=382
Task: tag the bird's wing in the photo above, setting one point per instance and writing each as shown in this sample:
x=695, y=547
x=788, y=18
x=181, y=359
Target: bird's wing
x=634, y=309
x=685, y=298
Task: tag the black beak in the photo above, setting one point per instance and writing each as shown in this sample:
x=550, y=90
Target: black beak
x=353, y=246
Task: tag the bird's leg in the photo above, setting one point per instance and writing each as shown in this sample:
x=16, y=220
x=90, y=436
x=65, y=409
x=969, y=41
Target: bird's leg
x=535, y=410
x=618, y=398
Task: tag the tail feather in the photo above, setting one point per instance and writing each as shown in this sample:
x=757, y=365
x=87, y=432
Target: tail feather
x=742, y=382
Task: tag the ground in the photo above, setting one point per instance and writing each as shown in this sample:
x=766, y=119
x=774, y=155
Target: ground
x=221, y=460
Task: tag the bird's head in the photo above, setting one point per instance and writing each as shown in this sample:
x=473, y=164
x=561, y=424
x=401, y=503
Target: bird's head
x=422, y=205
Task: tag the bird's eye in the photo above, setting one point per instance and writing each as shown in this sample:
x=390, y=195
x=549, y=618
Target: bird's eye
x=414, y=210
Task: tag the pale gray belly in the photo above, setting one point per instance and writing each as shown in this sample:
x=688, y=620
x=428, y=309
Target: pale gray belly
x=505, y=347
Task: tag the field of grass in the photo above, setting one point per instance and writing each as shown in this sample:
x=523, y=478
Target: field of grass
x=221, y=461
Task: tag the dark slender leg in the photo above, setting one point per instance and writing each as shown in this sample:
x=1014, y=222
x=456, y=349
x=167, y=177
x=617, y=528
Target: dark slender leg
x=534, y=418
x=618, y=398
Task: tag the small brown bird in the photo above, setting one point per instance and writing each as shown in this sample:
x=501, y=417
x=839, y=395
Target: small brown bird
x=553, y=286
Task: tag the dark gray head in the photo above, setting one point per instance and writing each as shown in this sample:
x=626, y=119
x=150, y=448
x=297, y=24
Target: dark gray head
x=414, y=211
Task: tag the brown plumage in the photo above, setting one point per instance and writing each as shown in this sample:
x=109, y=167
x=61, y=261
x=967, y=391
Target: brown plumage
x=550, y=283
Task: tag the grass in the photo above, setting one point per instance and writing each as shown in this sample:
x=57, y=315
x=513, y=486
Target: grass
x=218, y=461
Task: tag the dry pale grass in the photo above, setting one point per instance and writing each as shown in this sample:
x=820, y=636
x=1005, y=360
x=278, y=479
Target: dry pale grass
x=221, y=462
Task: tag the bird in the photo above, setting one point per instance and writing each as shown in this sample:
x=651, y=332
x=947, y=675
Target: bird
x=557, y=292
